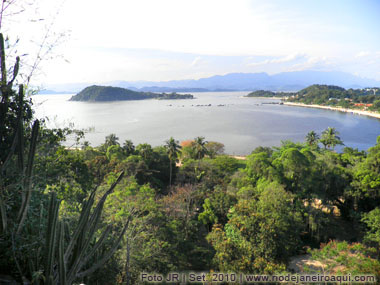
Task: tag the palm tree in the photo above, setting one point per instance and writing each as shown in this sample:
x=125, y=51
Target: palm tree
x=199, y=147
x=112, y=139
x=173, y=148
x=330, y=138
x=129, y=147
x=146, y=151
x=312, y=138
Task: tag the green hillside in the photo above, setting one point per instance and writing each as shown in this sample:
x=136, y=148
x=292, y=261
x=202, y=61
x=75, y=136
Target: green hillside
x=337, y=96
x=107, y=93
x=261, y=93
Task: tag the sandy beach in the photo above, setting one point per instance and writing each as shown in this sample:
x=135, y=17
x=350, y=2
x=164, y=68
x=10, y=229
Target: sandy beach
x=340, y=109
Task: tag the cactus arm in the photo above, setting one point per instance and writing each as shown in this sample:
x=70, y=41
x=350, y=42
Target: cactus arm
x=82, y=221
x=87, y=232
x=20, y=128
x=105, y=257
x=11, y=150
x=32, y=151
x=3, y=214
x=92, y=224
x=15, y=71
x=85, y=244
x=17, y=141
x=2, y=59
x=3, y=85
x=40, y=235
x=104, y=197
x=51, y=237
x=98, y=244
x=28, y=180
x=61, y=255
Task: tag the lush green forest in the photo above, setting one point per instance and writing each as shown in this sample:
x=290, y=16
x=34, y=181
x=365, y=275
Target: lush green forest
x=340, y=97
x=107, y=93
x=329, y=95
x=103, y=215
x=267, y=93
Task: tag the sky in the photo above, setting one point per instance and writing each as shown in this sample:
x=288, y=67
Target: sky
x=163, y=40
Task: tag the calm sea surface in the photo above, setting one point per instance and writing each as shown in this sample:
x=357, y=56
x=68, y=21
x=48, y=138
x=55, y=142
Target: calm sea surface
x=240, y=123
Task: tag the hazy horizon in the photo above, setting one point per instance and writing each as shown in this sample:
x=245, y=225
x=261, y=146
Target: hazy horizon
x=236, y=81
x=212, y=75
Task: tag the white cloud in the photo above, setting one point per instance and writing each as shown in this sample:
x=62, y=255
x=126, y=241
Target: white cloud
x=196, y=61
x=278, y=37
x=213, y=27
x=315, y=63
x=363, y=54
x=278, y=60
x=291, y=57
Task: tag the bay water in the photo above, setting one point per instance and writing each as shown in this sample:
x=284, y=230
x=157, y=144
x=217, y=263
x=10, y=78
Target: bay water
x=240, y=123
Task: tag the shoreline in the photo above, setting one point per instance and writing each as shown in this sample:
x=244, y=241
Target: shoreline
x=340, y=109
x=258, y=97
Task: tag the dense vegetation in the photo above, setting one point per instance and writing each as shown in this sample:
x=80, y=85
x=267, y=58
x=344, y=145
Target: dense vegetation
x=103, y=215
x=328, y=95
x=107, y=93
x=266, y=93
x=340, y=97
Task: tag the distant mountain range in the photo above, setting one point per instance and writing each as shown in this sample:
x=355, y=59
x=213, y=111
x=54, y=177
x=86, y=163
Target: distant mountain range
x=285, y=81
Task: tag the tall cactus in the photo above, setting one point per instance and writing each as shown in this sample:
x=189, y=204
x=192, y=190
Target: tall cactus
x=64, y=266
x=12, y=136
x=79, y=255
x=27, y=185
x=61, y=254
x=17, y=142
x=64, y=257
x=51, y=239
x=2, y=61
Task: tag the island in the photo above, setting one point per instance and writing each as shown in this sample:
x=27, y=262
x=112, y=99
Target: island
x=266, y=93
x=107, y=93
x=365, y=101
